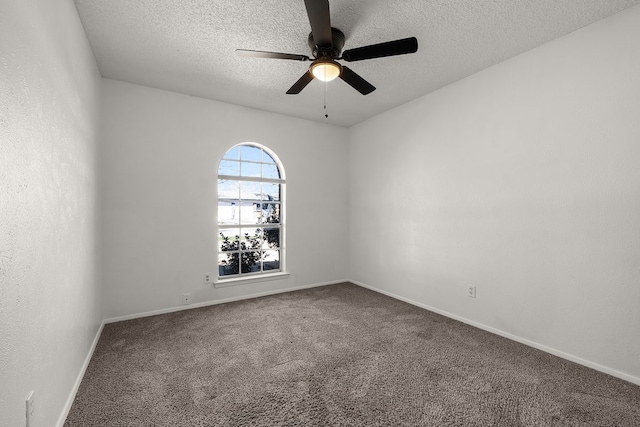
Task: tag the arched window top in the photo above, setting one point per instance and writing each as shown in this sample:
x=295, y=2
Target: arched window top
x=250, y=213
x=249, y=161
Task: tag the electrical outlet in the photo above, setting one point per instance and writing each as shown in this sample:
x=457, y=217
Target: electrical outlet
x=186, y=299
x=30, y=409
x=471, y=291
x=207, y=278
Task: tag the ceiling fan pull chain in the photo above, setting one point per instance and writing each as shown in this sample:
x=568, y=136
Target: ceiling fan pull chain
x=326, y=115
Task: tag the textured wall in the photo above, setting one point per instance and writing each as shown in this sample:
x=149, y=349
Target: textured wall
x=159, y=160
x=523, y=180
x=49, y=308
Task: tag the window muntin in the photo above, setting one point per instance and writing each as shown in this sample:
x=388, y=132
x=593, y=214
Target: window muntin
x=250, y=207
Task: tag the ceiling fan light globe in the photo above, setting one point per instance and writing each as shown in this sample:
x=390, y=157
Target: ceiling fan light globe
x=326, y=70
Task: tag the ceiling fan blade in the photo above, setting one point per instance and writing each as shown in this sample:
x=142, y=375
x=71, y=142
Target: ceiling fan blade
x=380, y=50
x=356, y=82
x=320, y=20
x=273, y=55
x=301, y=83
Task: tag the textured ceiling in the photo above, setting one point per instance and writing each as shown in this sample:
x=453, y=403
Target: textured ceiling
x=188, y=46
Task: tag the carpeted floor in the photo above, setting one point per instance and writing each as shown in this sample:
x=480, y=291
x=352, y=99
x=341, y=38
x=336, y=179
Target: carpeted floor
x=338, y=355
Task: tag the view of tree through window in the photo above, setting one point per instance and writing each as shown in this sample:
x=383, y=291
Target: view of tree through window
x=249, y=212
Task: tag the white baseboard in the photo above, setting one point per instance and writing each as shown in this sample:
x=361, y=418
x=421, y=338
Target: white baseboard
x=216, y=302
x=570, y=357
x=76, y=385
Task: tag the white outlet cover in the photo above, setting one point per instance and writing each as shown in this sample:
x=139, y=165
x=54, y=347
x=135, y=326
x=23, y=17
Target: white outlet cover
x=472, y=291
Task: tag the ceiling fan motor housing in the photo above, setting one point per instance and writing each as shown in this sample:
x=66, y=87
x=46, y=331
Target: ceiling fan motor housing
x=332, y=52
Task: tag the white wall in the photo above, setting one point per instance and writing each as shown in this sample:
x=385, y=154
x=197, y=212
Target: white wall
x=524, y=180
x=159, y=161
x=49, y=293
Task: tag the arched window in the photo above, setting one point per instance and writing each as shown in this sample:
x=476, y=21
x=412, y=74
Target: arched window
x=250, y=212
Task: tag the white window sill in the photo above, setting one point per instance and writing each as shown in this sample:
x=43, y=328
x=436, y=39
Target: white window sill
x=223, y=283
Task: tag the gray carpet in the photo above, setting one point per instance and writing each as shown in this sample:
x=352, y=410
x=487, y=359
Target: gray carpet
x=338, y=355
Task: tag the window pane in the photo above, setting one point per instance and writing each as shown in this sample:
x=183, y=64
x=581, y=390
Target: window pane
x=250, y=169
x=228, y=190
x=234, y=153
x=263, y=214
x=250, y=209
x=270, y=213
x=249, y=152
x=228, y=212
x=251, y=239
x=270, y=171
x=228, y=263
x=270, y=191
x=271, y=260
x=251, y=190
x=229, y=239
x=266, y=158
x=250, y=213
x=250, y=261
x=229, y=167
x=271, y=238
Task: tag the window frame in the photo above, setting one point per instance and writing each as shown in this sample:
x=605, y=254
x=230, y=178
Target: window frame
x=262, y=275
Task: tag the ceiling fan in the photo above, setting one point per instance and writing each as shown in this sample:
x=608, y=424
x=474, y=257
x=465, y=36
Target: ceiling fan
x=326, y=44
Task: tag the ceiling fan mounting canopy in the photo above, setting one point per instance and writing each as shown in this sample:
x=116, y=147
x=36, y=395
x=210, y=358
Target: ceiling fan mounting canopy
x=326, y=45
x=332, y=51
